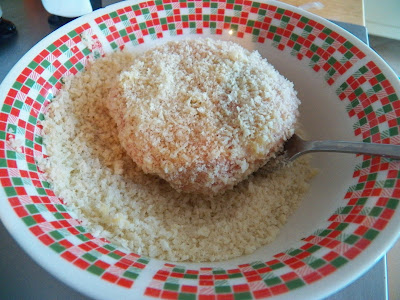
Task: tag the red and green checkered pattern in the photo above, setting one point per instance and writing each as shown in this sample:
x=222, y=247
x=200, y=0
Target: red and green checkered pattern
x=27, y=190
x=373, y=103
x=326, y=49
x=248, y=281
x=369, y=97
x=63, y=234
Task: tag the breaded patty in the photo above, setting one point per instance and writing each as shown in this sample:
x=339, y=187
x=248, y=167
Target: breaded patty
x=202, y=114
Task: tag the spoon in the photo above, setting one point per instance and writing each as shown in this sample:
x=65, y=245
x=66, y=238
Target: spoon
x=295, y=147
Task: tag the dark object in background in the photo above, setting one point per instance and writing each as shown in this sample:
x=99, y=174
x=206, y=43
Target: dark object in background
x=7, y=28
x=96, y=4
x=58, y=21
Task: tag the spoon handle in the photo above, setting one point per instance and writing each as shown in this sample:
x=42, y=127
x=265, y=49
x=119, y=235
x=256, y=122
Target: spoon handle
x=385, y=150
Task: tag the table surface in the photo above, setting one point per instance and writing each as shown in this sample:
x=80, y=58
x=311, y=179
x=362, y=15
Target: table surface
x=349, y=11
x=25, y=279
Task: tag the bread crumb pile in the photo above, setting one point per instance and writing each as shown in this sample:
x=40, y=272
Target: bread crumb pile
x=89, y=169
x=202, y=114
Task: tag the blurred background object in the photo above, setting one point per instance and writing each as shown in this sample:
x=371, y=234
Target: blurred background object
x=382, y=18
x=7, y=28
x=63, y=11
x=67, y=8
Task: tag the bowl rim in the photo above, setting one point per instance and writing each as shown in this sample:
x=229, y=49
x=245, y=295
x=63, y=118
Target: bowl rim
x=30, y=244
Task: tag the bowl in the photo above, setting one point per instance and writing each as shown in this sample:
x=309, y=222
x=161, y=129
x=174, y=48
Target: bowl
x=346, y=222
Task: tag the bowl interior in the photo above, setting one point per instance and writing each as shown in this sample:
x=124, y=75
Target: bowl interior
x=347, y=93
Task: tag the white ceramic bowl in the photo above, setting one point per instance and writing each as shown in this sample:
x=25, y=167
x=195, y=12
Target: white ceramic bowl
x=347, y=221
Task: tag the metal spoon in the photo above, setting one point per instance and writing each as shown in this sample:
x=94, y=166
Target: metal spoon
x=295, y=147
